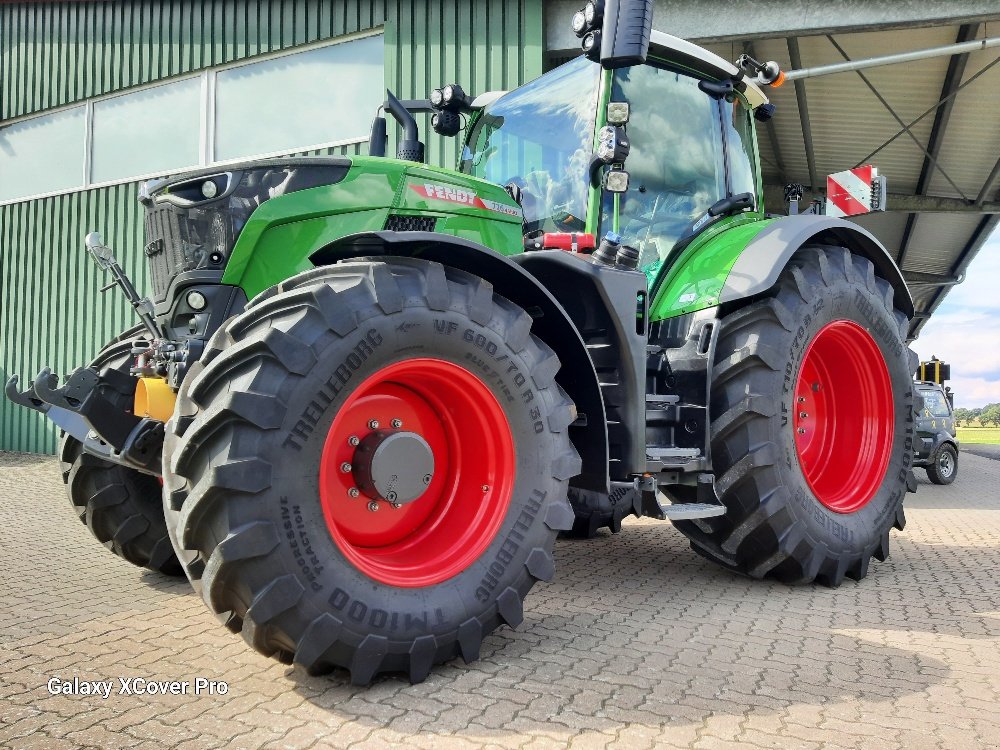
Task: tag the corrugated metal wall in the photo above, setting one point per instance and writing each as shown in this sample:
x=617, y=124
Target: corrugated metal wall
x=53, y=54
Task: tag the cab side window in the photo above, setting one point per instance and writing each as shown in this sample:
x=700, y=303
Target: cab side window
x=742, y=152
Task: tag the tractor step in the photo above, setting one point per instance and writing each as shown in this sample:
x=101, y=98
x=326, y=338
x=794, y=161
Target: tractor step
x=687, y=511
x=652, y=506
x=648, y=502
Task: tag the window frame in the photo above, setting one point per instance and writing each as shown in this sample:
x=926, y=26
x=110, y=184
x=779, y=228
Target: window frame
x=207, y=105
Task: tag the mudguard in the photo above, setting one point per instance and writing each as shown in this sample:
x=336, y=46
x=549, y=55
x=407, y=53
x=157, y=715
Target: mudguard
x=760, y=263
x=552, y=324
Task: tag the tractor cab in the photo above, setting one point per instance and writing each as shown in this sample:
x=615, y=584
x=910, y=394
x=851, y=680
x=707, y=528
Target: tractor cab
x=656, y=152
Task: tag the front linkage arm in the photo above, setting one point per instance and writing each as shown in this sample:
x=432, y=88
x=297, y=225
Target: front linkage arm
x=87, y=406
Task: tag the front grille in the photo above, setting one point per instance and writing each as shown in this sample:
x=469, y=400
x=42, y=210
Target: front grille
x=183, y=239
x=185, y=231
x=397, y=223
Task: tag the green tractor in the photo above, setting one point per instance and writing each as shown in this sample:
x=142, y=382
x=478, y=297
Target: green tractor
x=375, y=391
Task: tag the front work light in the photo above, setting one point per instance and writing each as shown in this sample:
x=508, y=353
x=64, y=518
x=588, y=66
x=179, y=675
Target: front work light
x=446, y=123
x=593, y=11
x=616, y=181
x=618, y=113
x=613, y=145
x=579, y=23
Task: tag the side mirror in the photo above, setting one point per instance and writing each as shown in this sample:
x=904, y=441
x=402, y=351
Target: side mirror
x=625, y=36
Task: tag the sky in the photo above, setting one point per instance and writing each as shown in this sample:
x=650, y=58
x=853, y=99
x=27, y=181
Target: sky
x=965, y=331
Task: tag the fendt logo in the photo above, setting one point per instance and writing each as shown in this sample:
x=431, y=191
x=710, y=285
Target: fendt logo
x=463, y=197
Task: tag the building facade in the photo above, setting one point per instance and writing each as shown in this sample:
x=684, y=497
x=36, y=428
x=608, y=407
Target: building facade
x=97, y=97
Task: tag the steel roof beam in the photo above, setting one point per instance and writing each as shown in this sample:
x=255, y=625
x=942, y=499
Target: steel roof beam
x=904, y=243
x=933, y=279
x=899, y=120
x=978, y=239
x=988, y=185
x=702, y=21
x=952, y=80
x=803, y=105
x=982, y=71
x=772, y=135
x=774, y=197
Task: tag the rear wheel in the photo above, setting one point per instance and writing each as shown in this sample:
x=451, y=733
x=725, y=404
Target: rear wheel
x=812, y=432
x=944, y=469
x=121, y=506
x=368, y=468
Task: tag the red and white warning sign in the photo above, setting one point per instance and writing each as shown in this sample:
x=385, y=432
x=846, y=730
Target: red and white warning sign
x=855, y=191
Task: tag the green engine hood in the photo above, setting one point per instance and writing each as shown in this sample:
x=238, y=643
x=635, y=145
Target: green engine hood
x=283, y=232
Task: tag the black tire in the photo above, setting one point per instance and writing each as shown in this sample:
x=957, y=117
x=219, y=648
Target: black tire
x=122, y=507
x=775, y=526
x=594, y=511
x=944, y=468
x=230, y=464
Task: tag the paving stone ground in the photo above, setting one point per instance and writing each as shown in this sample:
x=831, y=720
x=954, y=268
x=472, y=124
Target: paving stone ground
x=638, y=643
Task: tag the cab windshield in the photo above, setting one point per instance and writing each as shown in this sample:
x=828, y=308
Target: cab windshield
x=540, y=138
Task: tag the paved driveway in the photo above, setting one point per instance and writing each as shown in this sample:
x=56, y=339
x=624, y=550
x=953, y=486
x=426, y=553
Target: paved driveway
x=638, y=643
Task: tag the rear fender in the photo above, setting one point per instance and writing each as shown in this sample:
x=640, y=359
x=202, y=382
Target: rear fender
x=552, y=324
x=761, y=262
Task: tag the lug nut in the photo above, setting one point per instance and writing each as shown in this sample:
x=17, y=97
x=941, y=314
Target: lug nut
x=486, y=488
x=353, y=492
x=397, y=506
x=373, y=506
x=373, y=424
x=802, y=415
x=353, y=440
x=802, y=431
x=345, y=467
x=802, y=399
x=391, y=497
x=397, y=423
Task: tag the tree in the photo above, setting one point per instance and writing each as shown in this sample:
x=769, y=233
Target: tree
x=962, y=415
x=990, y=415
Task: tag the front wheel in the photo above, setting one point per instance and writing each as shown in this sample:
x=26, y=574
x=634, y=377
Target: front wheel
x=121, y=506
x=368, y=469
x=944, y=469
x=812, y=409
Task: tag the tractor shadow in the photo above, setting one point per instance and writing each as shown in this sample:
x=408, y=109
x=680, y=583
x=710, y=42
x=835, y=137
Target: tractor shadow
x=637, y=630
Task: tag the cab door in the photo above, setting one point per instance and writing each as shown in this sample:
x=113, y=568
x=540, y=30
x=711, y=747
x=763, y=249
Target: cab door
x=688, y=151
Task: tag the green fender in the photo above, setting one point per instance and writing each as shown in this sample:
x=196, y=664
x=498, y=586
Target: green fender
x=744, y=257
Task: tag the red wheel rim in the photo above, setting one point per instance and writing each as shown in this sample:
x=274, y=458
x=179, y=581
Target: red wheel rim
x=444, y=530
x=843, y=416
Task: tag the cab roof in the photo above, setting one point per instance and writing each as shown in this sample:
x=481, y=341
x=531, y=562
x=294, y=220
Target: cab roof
x=674, y=49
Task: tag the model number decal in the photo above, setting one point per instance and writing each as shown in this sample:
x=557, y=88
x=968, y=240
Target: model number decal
x=463, y=197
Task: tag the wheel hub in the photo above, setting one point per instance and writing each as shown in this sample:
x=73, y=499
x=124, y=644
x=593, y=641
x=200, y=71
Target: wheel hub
x=393, y=466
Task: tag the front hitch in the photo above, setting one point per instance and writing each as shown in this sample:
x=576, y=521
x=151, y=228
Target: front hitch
x=87, y=406
x=84, y=409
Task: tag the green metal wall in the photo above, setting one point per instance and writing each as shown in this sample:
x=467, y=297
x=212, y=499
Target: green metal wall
x=52, y=54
